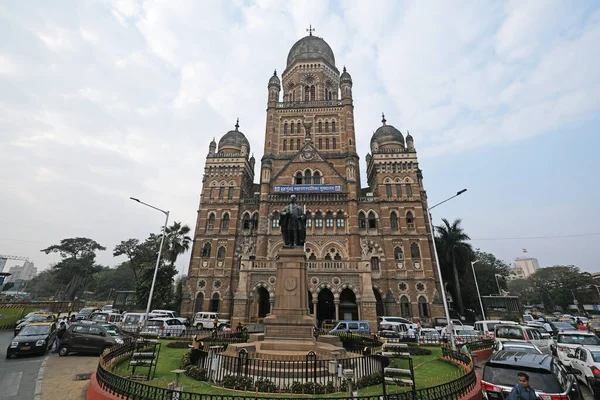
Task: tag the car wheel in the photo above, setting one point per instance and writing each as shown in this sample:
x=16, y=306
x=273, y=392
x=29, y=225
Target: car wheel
x=63, y=351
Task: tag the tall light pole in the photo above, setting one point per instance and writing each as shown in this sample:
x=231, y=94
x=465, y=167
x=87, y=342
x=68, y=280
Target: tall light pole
x=477, y=286
x=439, y=268
x=162, y=240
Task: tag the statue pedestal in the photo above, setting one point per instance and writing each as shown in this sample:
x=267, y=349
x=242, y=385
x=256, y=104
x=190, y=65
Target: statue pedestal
x=289, y=319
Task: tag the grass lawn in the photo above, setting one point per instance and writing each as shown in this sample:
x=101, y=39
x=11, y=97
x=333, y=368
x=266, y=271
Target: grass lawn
x=429, y=371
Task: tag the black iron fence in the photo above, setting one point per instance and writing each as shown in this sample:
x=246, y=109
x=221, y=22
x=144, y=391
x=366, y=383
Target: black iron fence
x=130, y=389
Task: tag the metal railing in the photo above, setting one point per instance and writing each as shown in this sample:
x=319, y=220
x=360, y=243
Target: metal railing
x=130, y=389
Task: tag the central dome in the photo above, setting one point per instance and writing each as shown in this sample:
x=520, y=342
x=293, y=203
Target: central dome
x=311, y=48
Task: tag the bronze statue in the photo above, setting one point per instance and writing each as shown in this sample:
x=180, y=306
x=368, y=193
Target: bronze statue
x=292, y=222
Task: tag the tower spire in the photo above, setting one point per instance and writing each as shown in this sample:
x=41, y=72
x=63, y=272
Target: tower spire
x=310, y=30
x=383, y=120
x=237, y=124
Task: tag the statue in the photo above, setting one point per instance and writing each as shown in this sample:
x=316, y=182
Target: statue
x=292, y=222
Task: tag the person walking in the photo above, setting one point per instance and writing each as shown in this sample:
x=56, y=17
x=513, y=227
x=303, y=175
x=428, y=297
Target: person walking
x=522, y=390
x=59, y=335
x=444, y=334
x=411, y=334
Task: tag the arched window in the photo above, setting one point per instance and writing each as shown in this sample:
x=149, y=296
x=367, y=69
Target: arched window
x=398, y=190
x=318, y=220
x=292, y=128
x=372, y=220
x=329, y=219
x=334, y=144
x=221, y=192
x=332, y=126
x=362, y=222
x=328, y=257
x=221, y=253
x=306, y=93
x=320, y=127
x=312, y=257
x=326, y=126
x=414, y=251
x=284, y=145
x=316, y=178
x=398, y=253
x=340, y=219
x=326, y=143
x=410, y=220
x=214, y=303
x=210, y=224
x=408, y=190
x=307, y=179
x=225, y=222
x=206, y=250
x=285, y=128
x=230, y=192
x=298, y=178
x=275, y=220
x=312, y=92
x=337, y=257
x=374, y=264
x=246, y=221
x=405, y=306
x=388, y=190
x=211, y=193
x=394, y=221
x=255, y=221
x=320, y=143
x=298, y=144
x=199, y=302
x=308, y=219
x=423, y=307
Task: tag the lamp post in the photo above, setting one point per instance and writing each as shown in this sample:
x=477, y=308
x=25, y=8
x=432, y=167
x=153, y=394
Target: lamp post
x=477, y=286
x=162, y=240
x=439, y=268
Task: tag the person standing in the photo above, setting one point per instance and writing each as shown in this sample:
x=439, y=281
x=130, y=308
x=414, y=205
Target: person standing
x=444, y=334
x=411, y=334
x=59, y=335
x=522, y=390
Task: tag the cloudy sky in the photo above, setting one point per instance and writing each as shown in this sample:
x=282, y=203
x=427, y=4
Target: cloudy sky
x=101, y=100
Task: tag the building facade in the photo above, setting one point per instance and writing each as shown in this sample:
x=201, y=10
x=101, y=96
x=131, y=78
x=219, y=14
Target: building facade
x=368, y=249
x=527, y=265
x=25, y=272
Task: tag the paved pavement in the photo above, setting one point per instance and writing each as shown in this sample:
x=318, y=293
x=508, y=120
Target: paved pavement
x=18, y=375
x=60, y=378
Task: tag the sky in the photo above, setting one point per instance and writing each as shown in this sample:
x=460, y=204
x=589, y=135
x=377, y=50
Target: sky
x=102, y=100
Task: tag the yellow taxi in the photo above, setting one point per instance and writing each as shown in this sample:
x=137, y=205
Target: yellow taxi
x=35, y=338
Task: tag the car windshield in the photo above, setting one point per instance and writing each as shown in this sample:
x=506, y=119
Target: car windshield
x=395, y=320
x=111, y=329
x=155, y=323
x=39, y=318
x=540, y=380
x=85, y=312
x=132, y=319
x=574, y=338
x=35, y=330
x=100, y=317
x=509, y=332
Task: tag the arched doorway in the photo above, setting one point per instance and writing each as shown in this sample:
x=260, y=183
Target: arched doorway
x=264, y=306
x=405, y=310
x=214, y=303
x=199, y=302
x=379, y=303
x=348, y=307
x=325, y=306
x=311, y=308
x=423, y=307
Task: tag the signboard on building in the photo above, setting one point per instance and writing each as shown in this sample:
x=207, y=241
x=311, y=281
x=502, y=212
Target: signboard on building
x=308, y=189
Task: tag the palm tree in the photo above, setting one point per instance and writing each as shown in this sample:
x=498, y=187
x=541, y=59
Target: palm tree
x=178, y=241
x=452, y=245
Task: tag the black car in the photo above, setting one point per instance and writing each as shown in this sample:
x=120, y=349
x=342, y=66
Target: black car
x=35, y=338
x=34, y=318
x=546, y=375
x=89, y=337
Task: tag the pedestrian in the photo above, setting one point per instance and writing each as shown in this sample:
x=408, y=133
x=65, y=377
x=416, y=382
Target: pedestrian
x=444, y=335
x=59, y=335
x=73, y=319
x=411, y=334
x=580, y=325
x=522, y=390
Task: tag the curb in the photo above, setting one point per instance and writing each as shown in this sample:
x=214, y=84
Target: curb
x=40, y=378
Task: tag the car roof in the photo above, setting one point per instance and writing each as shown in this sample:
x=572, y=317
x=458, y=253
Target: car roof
x=515, y=343
x=576, y=332
x=520, y=359
x=41, y=324
x=162, y=319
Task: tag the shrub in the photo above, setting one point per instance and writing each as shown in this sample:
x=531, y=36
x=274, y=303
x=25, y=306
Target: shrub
x=265, y=385
x=370, y=380
x=418, y=351
x=238, y=382
x=179, y=345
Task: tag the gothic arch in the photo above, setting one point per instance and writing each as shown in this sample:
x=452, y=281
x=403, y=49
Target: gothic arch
x=408, y=180
x=275, y=249
x=214, y=183
x=327, y=247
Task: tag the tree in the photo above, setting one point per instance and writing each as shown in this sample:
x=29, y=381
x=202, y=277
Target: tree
x=163, y=289
x=486, y=268
x=77, y=265
x=178, y=241
x=557, y=285
x=110, y=280
x=45, y=285
x=454, y=251
x=524, y=289
x=129, y=248
x=179, y=283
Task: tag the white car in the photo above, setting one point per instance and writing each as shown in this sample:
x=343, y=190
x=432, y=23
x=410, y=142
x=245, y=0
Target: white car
x=524, y=333
x=568, y=341
x=165, y=327
x=587, y=361
x=206, y=320
x=429, y=335
x=170, y=314
x=517, y=346
x=390, y=320
x=487, y=326
x=462, y=335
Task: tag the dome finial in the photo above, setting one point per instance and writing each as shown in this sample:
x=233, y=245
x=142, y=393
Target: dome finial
x=237, y=124
x=275, y=73
x=383, y=120
x=310, y=30
x=344, y=68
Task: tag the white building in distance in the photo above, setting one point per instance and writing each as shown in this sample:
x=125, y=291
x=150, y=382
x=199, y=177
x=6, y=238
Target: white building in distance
x=25, y=272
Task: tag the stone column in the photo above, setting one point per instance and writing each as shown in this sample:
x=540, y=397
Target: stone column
x=240, y=310
x=315, y=302
x=337, y=309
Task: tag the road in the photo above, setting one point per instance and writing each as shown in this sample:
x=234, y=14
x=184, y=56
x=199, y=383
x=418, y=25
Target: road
x=17, y=375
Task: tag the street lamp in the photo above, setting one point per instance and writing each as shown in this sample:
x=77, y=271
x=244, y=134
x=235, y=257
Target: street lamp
x=477, y=286
x=162, y=240
x=439, y=268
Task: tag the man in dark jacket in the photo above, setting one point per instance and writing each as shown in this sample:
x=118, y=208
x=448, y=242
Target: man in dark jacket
x=59, y=335
x=522, y=390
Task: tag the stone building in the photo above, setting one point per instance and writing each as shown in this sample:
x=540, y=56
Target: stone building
x=368, y=249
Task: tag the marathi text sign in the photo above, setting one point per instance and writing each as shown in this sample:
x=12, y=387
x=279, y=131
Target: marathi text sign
x=308, y=189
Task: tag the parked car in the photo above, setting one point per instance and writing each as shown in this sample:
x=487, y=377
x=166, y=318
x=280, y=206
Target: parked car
x=486, y=327
x=165, y=327
x=546, y=375
x=205, y=320
x=568, y=341
x=559, y=326
x=133, y=322
x=35, y=338
x=89, y=338
x=587, y=361
x=464, y=335
x=517, y=346
x=392, y=330
x=29, y=315
x=594, y=326
x=106, y=316
x=171, y=314
x=524, y=333
x=527, y=318
x=107, y=307
x=34, y=318
x=390, y=320
x=429, y=335
x=359, y=327
x=84, y=313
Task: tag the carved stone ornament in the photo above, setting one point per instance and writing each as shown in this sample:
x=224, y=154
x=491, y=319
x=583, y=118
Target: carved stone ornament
x=290, y=283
